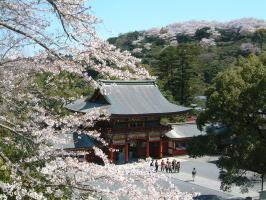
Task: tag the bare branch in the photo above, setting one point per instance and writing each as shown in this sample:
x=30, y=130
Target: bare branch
x=60, y=16
x=30, y=37
x=9, y=49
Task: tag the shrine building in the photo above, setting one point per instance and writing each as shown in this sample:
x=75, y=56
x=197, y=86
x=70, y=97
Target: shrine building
x=136, y=109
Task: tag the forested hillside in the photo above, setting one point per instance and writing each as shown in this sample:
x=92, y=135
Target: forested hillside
x=185, y=57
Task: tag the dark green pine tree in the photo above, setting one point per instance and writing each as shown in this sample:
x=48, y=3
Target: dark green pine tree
x=178, y=72
x=259, y=37
x=166, y=72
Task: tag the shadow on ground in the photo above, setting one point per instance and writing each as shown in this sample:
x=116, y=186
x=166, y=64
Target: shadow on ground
x=213, y=161
x=213, y=197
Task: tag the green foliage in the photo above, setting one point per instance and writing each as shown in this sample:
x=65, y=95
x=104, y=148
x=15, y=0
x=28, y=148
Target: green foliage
x=206, y=62
x=202, y=33
x=181, y=38
x=181, y=118
x=62, y=86
x=260, y=37
x=237, y=99
x=178, y=72
x=125, y=40
x=49, y=89
x=203, y=145
x=16, y=148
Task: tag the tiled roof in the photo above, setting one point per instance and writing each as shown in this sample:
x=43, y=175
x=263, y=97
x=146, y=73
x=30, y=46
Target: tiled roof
x=130, y=98
x=185, y=130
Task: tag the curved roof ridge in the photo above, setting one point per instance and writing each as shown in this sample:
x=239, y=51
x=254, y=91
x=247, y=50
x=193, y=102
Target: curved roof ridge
x=128, y=82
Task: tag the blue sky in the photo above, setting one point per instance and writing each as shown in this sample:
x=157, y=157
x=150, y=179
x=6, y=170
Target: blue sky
x=121, y=16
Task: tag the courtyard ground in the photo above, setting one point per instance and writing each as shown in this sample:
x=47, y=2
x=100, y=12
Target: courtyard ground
x=206, y=181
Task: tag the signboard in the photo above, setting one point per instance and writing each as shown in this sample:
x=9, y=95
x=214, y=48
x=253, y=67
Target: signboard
x=119, y=137
x=154, y=138
x=119, y=141
x=137, y=136
x=155, y=133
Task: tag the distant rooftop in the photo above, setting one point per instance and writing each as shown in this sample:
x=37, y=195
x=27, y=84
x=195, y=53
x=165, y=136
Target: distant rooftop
x=77, y=141
x=136, y=97
x=184, y=130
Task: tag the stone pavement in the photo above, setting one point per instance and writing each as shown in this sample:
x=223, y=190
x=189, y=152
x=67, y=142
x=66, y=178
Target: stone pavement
x=206, y=177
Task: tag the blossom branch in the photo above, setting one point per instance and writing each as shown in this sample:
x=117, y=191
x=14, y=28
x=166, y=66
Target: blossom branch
x=30, y=37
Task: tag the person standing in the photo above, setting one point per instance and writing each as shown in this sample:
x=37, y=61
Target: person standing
x=193, y=174
x=173, y=165
x=167, y=165
x=170, y=167
x=156, y=166
x=162, y=165
x=178, y=166
x=151, y=164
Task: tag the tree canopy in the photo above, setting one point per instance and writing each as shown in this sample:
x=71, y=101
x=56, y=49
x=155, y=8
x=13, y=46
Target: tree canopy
x=34, y=125
x=260, y=37
x=210, y=49
x=178, y=71
x=236, y=99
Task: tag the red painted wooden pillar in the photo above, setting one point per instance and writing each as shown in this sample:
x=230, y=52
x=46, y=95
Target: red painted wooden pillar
x=147, y=149
x=126, y=152
x=111, y=153
x=161, y=149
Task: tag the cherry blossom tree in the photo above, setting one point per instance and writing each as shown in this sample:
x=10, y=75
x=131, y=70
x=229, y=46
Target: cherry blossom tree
x=52, y=36
x=244, y=25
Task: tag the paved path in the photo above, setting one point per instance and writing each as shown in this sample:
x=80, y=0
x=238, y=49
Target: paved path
x=188, y=186
x=206, y=180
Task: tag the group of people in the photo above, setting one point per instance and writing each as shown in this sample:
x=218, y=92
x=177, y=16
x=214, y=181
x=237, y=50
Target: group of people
x=170, y=167
x=167, y=166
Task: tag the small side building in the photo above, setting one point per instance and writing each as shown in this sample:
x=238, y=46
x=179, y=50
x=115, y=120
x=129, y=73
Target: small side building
x=136, y=109
x=180, y=135
x=80, y=146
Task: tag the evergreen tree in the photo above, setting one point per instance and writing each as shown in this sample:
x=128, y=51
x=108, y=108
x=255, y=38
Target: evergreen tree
x=179, y=73
x=236, y=100
x=260, y=37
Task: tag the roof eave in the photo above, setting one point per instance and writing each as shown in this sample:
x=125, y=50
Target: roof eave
x=150, y=114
